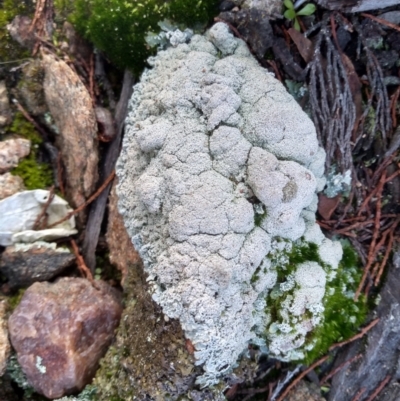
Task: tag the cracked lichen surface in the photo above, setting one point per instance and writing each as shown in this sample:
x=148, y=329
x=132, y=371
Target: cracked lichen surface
x=214, y=143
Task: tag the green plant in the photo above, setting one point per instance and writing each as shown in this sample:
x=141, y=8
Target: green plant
x=293, y=15
x=118, y=27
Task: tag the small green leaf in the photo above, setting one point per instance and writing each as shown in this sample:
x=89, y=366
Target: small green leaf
x=296, y=24
x=290, y=14
x=288, y=4
x=307, y=10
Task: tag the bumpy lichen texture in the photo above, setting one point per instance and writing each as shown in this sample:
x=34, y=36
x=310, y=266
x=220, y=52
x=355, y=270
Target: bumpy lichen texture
x=218, y=178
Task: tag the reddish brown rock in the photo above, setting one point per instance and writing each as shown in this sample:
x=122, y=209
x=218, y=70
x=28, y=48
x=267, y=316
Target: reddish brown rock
x=122, y=252
x=71, y=107
x=61, y=330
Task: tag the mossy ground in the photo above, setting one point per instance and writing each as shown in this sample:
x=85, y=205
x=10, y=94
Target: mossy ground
x=118, y=27
x=9, y=49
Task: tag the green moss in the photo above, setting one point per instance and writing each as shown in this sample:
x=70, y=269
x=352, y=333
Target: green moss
x=343, y=316
x=259, y=217
x=35, y=174
x=9, y=49
x=118, y=27
x=14, y=300
x=22, y=127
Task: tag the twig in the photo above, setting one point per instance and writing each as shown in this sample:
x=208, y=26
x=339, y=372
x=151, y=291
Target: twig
x=91, y=79
x=41, y=219
x=356, y=337
x=88, y=202
x=29, y=118
x=387, y=253
x=339, y=368
x=359, y=394
x=381, y=21
x=81, y=263
x=272, y=63
x=372, y=251
x=379, y=388
x=393, y=104
x=301, y=376
x=60, y=173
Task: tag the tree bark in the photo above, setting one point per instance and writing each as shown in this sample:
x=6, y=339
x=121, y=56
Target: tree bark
x=380, y=352
x=355, y=6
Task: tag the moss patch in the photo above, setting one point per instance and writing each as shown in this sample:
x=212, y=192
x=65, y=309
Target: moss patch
x=35, y=174
x=118, y=27
x=9, y=49
x=342, y=316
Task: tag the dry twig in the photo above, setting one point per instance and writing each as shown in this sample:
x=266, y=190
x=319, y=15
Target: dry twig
x=379, y=388
x=301, y=376
x=356, y=337
x=41, y=220
x=340, y=367
x=88, y=202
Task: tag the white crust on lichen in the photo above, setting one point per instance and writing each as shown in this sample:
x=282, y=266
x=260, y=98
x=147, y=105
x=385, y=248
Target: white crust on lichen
x=208, y=129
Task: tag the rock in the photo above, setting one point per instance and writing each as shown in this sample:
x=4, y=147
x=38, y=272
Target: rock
x=5, y=347
x=60, y=331
x=10, y=185
x=254, y=26
x=122, y=252
x=12, y=151
x=391, y=16
x=30, y=88
x=19, y=212
x=77, y=46
x=5, y=110
x=106, y=124
x=19, y=29
x=70, y=105
x=24, y=265
x=305, y=391
x=268, y=7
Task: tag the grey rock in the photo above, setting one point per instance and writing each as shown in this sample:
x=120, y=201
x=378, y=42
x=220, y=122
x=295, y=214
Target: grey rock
x=23, y=265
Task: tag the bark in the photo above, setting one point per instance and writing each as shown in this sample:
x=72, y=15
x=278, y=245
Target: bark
x=355, y=6
x=380, y=352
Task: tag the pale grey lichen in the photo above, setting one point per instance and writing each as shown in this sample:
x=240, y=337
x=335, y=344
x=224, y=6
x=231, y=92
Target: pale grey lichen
x=218, y=177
